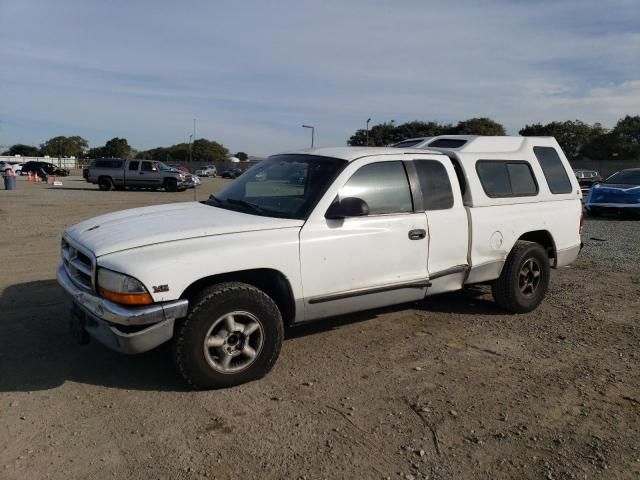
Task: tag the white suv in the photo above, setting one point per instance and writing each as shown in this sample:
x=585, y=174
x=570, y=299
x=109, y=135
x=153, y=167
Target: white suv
x=207, y=171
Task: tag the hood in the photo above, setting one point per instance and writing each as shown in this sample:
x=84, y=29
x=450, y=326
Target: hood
x=618, y=186
x=140, y=227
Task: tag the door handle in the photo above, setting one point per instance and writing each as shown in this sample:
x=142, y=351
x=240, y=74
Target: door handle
x=417, y=234
x=140, y=173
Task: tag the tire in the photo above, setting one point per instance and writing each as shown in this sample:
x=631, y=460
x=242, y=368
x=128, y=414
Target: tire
x=208, y=320
x=524, y=280
x=105, y=184
x=171, y=185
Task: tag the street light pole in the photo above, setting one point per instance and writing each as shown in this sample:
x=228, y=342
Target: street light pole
x=367, y=134
x=312, y=132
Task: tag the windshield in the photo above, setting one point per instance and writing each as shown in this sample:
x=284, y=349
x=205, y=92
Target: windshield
x=285, y=186
x=626, y=177
x=164, y=167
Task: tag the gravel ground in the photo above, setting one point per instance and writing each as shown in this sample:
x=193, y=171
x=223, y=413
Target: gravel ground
x=612, y=244
x=450, y=388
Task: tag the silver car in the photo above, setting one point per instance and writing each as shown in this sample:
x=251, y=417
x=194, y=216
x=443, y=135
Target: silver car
x=207, y=171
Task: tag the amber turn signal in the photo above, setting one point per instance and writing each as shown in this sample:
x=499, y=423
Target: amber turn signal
x=126, y=298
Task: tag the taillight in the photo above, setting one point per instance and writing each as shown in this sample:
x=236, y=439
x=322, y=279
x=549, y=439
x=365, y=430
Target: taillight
x=581, y=223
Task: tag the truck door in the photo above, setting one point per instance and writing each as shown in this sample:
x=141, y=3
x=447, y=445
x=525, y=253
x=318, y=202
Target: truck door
x=131, y=174
x=364, y=262
x=149, y=174
x=448, y=224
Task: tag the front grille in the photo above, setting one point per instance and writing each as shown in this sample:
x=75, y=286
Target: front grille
x=78, y=264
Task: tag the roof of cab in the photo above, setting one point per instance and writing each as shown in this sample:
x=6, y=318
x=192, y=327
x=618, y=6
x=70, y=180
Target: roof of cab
x=353, y=153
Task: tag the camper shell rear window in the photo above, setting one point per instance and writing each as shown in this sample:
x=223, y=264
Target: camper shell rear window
x=553, y=169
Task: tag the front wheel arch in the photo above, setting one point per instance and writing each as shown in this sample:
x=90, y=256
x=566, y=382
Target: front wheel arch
x=273, y=282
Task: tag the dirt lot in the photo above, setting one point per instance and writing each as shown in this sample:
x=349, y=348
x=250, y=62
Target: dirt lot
x=449, y=388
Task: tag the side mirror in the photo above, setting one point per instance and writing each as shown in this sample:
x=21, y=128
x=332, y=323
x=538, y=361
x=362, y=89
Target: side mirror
x=347, y=207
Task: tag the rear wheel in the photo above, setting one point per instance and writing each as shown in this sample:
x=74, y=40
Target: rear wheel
x=232, y=335
x=105, y=184
x=524, y=280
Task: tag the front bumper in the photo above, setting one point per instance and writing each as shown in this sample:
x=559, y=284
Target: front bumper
x=127, y=330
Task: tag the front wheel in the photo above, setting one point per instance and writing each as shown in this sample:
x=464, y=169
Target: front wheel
x=232, y=335
x=171, y=185
x=524, y=280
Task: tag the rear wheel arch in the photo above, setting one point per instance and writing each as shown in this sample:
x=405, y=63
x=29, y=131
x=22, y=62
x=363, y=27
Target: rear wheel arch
x=545, y=239
x=272, y=282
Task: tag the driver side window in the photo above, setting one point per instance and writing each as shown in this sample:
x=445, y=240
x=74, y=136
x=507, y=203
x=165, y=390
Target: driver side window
x=383, y=186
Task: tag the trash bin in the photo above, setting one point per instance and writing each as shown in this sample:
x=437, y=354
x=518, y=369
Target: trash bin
x=9, y=182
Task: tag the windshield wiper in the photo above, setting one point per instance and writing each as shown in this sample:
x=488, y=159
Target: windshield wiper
x=249, y=205
x=214, y=198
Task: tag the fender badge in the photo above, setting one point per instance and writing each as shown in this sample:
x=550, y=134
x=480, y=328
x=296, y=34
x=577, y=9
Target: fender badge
x=160, y=288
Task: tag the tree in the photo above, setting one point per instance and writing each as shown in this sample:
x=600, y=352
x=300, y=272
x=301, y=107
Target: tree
x=243, y=157
x=626, y=136
x=423, y=129
x=379, y=135
x=207, y=151
x=203, y=150
x=388, y=133
x=478, y=126
x=96, y=152
x=573, y=136
x=23, y=150
x=117, y=148
x=64, y=146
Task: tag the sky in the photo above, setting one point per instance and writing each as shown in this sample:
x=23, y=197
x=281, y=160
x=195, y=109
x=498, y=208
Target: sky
x=252, y=72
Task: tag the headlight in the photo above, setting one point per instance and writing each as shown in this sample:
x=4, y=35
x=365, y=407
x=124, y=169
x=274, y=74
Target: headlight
x=122, y=288
x=182, y=177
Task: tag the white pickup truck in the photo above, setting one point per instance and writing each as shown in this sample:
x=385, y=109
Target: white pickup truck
x=317, y=233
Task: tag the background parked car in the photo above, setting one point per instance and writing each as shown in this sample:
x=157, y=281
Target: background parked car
x=47, y=168
x=619, y=194
x=15, y=166
x=5, y=167
x=586, y=178
x=207, y=171
x=232, y=173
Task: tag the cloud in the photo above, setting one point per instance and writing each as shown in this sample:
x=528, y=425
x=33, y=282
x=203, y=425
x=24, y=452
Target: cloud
x=252, y=73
